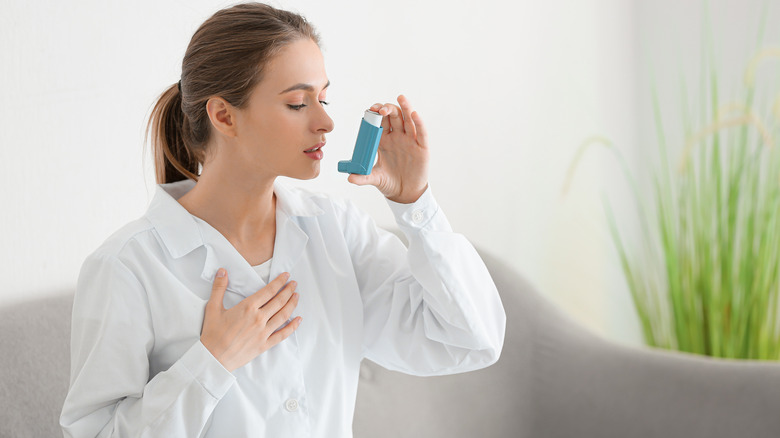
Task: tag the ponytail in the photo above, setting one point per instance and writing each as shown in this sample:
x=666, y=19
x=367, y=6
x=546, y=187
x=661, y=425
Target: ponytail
x=173, y=159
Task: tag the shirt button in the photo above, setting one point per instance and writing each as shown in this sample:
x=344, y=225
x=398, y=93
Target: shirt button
x=417, y=216
x=291, y=405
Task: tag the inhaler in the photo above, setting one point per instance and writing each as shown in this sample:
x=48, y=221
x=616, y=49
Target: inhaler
x=366, y=145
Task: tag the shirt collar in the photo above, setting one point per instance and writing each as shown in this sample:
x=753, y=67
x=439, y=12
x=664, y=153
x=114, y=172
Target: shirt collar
x=182, y=233
x=174, y=224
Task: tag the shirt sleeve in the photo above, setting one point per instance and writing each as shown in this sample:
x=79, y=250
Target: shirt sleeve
x=431, y=309
x=110, y=392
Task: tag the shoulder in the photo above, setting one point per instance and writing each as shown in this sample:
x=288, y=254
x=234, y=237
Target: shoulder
x=116, y=252
x=116, y=243
x=107, y=275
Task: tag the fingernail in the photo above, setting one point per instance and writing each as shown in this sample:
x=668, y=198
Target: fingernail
x=221, y=273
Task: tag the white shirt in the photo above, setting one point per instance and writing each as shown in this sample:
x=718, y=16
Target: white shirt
x=138, y=367
x=264, y=270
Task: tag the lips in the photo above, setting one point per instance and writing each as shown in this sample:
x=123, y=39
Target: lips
x=316, y=147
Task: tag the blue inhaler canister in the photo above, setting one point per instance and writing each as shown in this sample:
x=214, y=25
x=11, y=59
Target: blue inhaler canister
x=366, y=145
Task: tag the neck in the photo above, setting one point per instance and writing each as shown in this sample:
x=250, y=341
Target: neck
x=242, y=209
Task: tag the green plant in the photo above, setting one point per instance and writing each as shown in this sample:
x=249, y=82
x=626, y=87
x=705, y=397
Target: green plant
x=705, y=278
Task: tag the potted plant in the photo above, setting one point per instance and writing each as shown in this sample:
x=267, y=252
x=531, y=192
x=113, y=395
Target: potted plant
x=705, y=276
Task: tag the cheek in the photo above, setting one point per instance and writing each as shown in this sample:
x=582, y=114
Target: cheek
x=281, y=134
x=291, y=126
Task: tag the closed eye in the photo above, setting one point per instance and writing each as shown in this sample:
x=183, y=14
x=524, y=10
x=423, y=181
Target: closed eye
x=298, y=107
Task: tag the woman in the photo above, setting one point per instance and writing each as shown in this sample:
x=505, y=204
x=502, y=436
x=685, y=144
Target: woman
x=238, y=306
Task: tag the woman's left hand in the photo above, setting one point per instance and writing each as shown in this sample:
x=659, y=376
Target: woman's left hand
x=401, y=169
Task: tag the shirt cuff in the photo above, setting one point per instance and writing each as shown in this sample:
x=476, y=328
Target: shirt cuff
x=424, y=213
x=207, y=370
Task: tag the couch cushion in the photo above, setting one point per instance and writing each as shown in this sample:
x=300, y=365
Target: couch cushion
x=35, y=364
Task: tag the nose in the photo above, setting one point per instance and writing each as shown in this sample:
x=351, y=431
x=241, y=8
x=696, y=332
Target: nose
x=322, y=122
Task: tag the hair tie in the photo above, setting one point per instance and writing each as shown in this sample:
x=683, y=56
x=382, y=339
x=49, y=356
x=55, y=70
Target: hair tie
x=179, y=85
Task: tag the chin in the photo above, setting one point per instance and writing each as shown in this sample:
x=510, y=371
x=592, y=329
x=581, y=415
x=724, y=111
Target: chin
x=310, y=174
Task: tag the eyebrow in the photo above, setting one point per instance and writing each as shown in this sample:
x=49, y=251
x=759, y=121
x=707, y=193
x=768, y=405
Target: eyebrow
x=306, y=87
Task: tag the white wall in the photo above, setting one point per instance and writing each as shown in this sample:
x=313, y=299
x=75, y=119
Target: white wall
x=509, y=91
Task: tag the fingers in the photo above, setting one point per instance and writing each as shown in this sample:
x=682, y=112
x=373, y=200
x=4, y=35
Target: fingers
x=379, y=108
x=284, y=333
x=406, y=110
x=240, y=334
x=274, y=305
x=364, y=180
x=359, y=180
x=386, y=128
x=218, y=290
x=392, y=117
x=283, y=314
x=397, y=118
x=422, y=132
x=259, y=298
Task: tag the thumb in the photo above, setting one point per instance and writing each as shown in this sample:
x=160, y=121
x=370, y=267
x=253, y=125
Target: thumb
x=218, y=290
x=361, y=180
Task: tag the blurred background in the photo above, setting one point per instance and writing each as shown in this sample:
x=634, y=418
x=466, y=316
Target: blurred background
x=509, y=92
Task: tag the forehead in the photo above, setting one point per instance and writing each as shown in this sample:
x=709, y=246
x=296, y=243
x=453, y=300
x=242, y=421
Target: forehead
x=299, y=62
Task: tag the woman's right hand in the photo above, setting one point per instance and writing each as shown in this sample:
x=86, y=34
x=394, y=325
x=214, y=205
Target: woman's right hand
x=237, y=335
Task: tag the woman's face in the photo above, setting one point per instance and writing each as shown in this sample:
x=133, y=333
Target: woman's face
x=285, y=115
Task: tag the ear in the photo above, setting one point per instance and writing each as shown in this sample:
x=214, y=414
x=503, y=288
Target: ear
x=222, y=116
